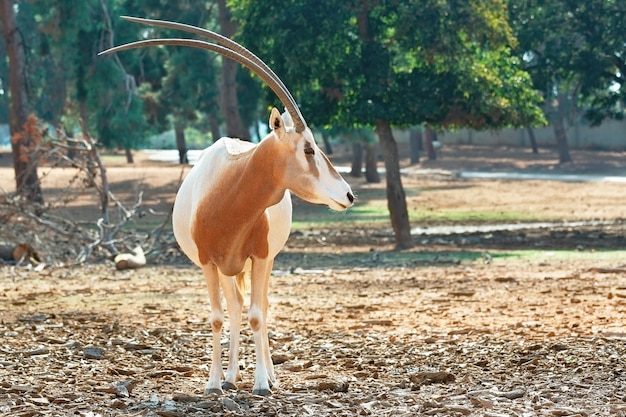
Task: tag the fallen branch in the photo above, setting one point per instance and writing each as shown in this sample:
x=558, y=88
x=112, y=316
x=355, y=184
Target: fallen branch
x=617, y=270
x=135, y=259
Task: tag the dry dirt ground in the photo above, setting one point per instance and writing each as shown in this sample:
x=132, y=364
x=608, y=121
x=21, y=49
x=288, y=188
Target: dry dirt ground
x=463, y=324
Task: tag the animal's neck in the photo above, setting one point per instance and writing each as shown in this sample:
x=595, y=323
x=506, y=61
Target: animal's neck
x=261, y=178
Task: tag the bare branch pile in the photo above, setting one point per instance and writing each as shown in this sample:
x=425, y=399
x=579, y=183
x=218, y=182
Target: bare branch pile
x=45, y=235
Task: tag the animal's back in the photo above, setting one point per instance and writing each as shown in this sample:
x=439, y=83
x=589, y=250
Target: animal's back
x=204, y=179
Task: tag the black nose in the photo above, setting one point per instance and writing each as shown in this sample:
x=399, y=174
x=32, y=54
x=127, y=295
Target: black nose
x=351, y=197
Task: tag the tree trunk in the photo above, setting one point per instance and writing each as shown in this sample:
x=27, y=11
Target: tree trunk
x=415, y=141
x=179, y=131
x=357, y=159
x=561, y=139
x=24, y=132
x=228, y=90
x=91, y=164
x=215, y=127
x=327, y=146
x=371, y=162
x=257, y=131
x=396, y=197
x=429, y=138
x=533, y=139
x=129, y=155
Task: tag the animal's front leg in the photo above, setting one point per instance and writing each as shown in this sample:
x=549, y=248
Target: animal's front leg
x=266, y=341
x=234, y=303
x=257, y=318
x=217, y=323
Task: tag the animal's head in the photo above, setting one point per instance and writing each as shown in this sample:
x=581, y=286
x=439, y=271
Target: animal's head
x=307, y=171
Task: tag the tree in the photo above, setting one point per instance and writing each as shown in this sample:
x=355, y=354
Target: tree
x=386, y=63
x=430, y=138
x=228, y=91
x=415, y=141
x=102, y=94
x=121, y=118
x=546, y=46
x=362, y=139
x=187, y=91
x=601, y=28
x=179, y=85
x=533, y=139
x=576, y=54
x=25, y=134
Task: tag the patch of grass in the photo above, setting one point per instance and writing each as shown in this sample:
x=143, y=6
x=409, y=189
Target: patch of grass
x=564, y=255
x=431, y=256
x=307, y=216
x=113, y=159
x=375, y=212
x=371, y=209
x=461, y=216
x=437, y=258
x=403, y=257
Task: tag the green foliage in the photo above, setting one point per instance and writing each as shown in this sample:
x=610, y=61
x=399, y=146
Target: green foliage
x=177, y=83
x=577, y=49
x=45, y=68
x=352, y=63
x=122, y=99
x=299, y=30
x=442, y=62
x=189, y=86
x=351, y=134
x=118, y=113
x=248, y=95
x=77, y=84
x=488, y=90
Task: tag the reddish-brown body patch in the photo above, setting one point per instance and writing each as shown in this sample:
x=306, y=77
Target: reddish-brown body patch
x=229, y=230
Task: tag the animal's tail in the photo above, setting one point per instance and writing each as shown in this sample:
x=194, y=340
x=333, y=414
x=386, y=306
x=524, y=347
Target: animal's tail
x=242, y=281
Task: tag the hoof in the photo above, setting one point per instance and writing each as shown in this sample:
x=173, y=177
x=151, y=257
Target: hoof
x=228, y=386
x=210, y=391
x=261, y=392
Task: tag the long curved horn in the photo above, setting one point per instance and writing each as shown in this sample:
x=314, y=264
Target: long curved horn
x=231, y=49
x=229, y=43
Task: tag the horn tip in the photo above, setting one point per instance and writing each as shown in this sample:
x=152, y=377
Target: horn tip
x=134, y=19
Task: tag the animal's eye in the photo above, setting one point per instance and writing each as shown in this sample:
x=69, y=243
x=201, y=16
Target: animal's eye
x=308, y=150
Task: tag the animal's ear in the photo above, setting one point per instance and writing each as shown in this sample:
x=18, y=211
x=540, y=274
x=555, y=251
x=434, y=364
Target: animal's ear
x=276, y=123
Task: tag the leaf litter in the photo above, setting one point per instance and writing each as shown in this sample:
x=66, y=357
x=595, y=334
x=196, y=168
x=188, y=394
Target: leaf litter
x=345, y=342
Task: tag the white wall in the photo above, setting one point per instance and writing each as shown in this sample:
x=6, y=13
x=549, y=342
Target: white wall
x=5, y=136
x=610, y=135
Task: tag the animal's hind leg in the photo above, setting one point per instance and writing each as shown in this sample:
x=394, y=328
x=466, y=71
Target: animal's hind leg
x=234, y=303
x=217, y=323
